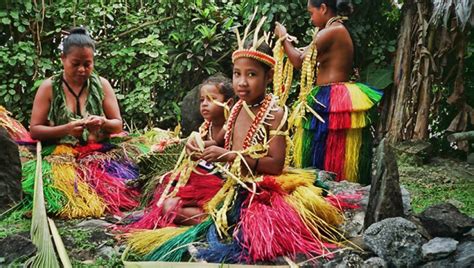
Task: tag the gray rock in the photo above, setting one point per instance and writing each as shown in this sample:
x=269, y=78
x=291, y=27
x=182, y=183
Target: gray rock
x=470, y=234
x=385, y=200
x=354, y=223
x=191, y=118
x=346, y=260
x=415, y=152
x=438, y=248
x=396, y=240
x=470, y=158
x=406, y=200
x=96, y=224
x=345, y=187
x=107, y=252
x=445, y=220
x=10, y=171
x=465, y=255
x=14, y=247
x=445, y=263
x=375, y=262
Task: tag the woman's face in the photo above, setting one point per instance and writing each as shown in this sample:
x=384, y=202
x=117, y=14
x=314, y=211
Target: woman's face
x=316, y=15
x=78, y=64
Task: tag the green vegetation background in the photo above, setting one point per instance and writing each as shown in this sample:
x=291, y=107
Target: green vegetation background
x=154, y=52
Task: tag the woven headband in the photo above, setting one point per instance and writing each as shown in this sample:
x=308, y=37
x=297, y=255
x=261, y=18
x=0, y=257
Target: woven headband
x=253, y=54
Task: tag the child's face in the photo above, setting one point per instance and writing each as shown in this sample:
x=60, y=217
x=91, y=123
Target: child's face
x=250, y=80
x=208, y=108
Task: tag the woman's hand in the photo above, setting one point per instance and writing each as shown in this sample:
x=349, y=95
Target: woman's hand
x=216, y=154
x=76, y=128
x=280, y=30
x=95, y=122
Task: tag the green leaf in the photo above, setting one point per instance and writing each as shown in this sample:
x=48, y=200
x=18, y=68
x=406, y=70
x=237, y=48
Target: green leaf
x=377, y=77
x=6, y=21
x=14, y=14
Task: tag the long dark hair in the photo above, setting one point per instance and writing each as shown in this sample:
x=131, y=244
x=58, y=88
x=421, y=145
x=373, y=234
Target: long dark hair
x=78, y=37
x=340, y=7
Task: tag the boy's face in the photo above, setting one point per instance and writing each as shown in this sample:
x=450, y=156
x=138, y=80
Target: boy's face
x=208, y=108
x=250, y=80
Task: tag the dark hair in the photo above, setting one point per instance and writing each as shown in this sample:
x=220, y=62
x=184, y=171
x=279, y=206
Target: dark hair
x=78, y=37
x=264, y=47
x=223, y=84
x=340, y=7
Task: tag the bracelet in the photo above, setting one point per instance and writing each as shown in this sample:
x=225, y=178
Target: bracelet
x=255, y=166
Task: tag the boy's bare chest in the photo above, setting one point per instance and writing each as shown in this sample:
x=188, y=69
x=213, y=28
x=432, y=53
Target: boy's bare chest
x=241, y=128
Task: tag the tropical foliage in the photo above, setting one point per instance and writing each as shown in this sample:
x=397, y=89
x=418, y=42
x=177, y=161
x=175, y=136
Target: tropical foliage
x=154, y=52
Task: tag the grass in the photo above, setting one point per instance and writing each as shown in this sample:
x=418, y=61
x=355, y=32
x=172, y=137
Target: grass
x=441, y=181
x=14, y=226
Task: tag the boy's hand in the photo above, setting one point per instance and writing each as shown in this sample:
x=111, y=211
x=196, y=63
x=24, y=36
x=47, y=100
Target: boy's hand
x=215, y=154
x=192, y=148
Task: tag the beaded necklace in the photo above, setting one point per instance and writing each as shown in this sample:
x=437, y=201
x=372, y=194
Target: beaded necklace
x=205, y=129
x=256, y=104
x=253, y=127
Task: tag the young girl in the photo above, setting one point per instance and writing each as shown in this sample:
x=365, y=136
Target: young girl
x=185, y=207
x=340, y=140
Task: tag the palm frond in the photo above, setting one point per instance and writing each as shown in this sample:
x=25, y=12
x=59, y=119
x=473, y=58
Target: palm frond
x=45, y=256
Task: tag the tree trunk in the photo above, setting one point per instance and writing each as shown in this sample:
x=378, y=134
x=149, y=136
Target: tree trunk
x=424, y=50
x=396, y=116
x=461, y=136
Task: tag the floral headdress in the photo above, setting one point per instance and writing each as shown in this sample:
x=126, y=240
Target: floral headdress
x=252, y=52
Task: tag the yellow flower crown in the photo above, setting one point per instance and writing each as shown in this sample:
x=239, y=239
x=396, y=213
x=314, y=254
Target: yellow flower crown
x=252, y=52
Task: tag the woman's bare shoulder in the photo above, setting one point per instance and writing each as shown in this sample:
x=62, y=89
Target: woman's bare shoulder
x=46, y=87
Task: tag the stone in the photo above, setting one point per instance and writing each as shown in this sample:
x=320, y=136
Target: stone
x=14, y=247
x=191, y=118
x=470, y=158
x=445, y=220
x=375, y=262
x=406, y=200
x=465, y=255
x=396, y=240
x=347, y=260
x=354, y=223
x=414, y=152
x=96, y=224
x=107, y=252
x=10, y=171
x=385, y=200
x=445, y=263
x=438, y=248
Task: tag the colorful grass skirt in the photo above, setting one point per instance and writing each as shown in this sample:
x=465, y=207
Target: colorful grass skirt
x=343, y=143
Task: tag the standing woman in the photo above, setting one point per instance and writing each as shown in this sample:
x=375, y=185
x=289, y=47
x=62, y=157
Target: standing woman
x=77, y=104
x=341, y=142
